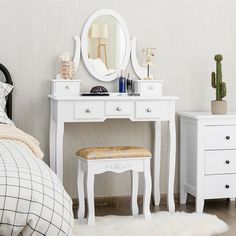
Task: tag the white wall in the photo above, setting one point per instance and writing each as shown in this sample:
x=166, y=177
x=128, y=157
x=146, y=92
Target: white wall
x=187, y=34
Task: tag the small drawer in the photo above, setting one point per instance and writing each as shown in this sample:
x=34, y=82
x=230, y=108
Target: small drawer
x=220, y=186
x=220, y=162
x=220, y=137
x=119, y=108
x=63, y=87
x=89, y=110
x=148, y=88
x=148, y=110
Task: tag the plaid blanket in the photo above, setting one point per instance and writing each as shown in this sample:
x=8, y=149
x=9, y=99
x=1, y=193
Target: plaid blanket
x=32, y=199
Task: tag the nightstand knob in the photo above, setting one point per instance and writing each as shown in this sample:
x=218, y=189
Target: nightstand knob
x=118, y=109
x=88, y=110
x=151, y=87
x=226, y=186
x=227, y=161
x=67, y=87
x=149, y=110
x=227, y=137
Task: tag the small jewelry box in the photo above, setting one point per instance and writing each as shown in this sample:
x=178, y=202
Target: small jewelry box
x=148, y=88
x=65, y=87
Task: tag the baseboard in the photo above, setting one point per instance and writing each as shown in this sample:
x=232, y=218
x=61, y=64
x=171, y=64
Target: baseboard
x=124, y=201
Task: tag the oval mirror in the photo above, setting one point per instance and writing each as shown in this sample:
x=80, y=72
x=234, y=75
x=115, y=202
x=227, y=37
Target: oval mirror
x=105, y=45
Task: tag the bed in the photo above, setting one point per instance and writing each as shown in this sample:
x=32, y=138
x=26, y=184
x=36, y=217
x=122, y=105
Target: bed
x=32, y=198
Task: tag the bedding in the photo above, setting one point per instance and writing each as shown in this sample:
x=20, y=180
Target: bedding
x=5, y=89
x=32, y=198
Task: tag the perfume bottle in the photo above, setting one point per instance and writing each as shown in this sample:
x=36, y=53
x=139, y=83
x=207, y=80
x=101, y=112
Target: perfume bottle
x=122, y=83
x=129, y=84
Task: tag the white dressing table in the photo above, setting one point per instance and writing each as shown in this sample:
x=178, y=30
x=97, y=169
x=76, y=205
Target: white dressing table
x=79, y=109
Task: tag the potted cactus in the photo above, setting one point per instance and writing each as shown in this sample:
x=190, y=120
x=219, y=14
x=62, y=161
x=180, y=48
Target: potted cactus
x=218, y=106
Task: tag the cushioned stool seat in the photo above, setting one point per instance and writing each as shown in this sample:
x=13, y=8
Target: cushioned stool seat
x=97, y=160
x=92, y=153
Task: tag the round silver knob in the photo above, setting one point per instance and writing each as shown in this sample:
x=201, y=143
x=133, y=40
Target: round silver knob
x=67, y=87
x=88, y=110
x=149, y=110
x=151, y=87
x=118, y=109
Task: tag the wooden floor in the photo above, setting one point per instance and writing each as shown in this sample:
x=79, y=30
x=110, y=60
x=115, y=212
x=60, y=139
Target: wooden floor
x=224, y=209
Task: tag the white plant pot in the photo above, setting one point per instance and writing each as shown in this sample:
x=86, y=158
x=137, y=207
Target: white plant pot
x=218, y=107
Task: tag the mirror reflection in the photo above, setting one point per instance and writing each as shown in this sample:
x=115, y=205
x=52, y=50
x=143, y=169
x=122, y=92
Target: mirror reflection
x=106, y=45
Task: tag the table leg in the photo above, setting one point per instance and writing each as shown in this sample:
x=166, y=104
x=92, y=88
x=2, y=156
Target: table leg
x=52, y=143
x=171, y=164
x=59, y=149
x=156, y=163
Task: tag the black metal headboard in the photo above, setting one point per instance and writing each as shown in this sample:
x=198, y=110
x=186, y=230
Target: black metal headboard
x=9, y=97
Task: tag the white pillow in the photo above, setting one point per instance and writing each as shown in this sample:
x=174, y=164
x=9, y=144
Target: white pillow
x=5, y=89
x=99, y=66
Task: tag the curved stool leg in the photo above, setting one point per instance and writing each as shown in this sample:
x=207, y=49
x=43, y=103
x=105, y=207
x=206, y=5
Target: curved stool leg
x=134, y=200
x=90, y=197
x=80, y=189
x=147, y=189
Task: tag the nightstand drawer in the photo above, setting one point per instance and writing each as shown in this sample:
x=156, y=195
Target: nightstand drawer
x=220, y=162
x=148, y=110
x=89, y=110
x=220, y=186
x=65, y=87
x=220, y=137
x=119, y=108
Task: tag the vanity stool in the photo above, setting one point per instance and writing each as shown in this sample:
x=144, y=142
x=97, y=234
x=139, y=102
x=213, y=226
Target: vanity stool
x=97, y=160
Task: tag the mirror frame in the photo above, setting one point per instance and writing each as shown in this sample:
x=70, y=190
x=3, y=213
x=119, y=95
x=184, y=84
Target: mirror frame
x=84, y=44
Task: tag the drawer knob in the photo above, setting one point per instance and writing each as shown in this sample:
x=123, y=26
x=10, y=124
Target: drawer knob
x=151, y=87
x=67, y=87
x=118, y=109
x=88, y=110
x=149, y=110
x=226, y=186
x=227, y=162
x=227, y=137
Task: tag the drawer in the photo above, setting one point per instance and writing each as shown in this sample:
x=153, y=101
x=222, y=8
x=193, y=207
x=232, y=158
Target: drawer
x=148, y=110
x=220, y=162
x=220, y=186
x=220, y=137
x=148, y=88
x=64, y=87
x=119, y=108
x=89, y=110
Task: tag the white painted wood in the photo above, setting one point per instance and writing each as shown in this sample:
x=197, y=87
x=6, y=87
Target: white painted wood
x=139, y=70
x=84, y=44
x=147, y=189
x=62, y=87
x=134, y=192
x=220, y=137
x=52, y=137
x=172, y=160
x=156, y=163
x=119, y=108
x=148, y=88
x=148, y=109
x=220, y=162
x=76, y=59
x=90, y=197
x=207, y=157
x=73, y=109
x=80, y=190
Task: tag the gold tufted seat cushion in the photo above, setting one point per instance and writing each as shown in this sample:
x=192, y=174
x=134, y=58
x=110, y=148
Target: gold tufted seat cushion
x=93, y=153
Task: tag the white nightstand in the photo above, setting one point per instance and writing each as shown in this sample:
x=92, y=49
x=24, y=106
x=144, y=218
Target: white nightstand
x=207, y=156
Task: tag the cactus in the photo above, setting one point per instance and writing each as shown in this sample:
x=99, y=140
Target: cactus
x=216, y=79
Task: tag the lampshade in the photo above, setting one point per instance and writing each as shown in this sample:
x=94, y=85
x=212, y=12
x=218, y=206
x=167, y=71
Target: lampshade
x=99, y=31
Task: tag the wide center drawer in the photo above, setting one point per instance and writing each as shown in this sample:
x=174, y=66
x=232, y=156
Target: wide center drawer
x=220, y=186
x=119, y=108
x=220, y=162
x=220, y=137
x=89, y=110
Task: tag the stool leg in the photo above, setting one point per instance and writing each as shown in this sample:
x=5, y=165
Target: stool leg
x=147, y=189
x=80, y=189
x=134, y=183
x=90, y=197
